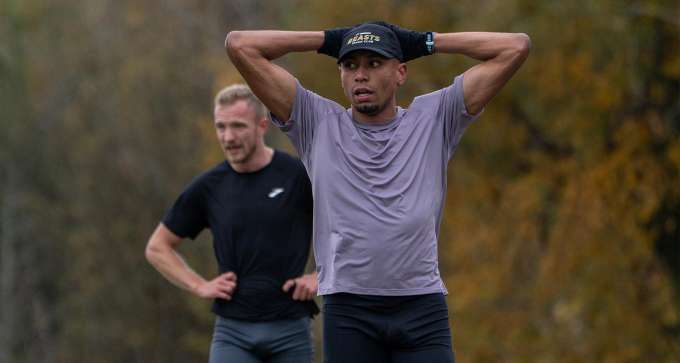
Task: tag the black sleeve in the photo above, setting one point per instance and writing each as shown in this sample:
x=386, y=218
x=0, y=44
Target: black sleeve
x=332, y=41
x=306, y=189
x=187, y=217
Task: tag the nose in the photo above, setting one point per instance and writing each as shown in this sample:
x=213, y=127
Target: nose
x=361, y=74
x=228, y=135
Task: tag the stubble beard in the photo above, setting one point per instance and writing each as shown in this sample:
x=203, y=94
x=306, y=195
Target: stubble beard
x=368, y=109
x=244, y=157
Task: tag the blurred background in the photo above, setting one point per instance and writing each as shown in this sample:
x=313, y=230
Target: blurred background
x=561, y=236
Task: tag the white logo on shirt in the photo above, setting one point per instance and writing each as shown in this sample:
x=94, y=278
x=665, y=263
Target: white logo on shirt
x=275, y=192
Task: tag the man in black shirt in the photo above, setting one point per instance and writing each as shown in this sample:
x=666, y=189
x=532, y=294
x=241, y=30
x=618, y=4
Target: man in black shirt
x=258, y=206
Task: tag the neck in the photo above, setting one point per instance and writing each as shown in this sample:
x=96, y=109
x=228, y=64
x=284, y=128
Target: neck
x=384, y=116
x=261, y=158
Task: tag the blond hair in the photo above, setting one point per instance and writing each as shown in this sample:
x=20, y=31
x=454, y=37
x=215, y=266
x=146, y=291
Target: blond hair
x=237, y=92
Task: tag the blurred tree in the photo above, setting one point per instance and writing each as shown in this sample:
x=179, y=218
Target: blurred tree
x=108, y=115
x=561, y=235
x=27, y=228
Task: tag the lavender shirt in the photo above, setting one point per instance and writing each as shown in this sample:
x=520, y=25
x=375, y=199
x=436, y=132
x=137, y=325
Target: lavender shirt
x=378, y=190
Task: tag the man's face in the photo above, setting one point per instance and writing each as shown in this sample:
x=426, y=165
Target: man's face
x=370, y=81
x=239, y=131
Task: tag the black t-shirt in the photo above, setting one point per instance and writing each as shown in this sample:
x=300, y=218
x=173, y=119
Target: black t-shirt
x=261, y=224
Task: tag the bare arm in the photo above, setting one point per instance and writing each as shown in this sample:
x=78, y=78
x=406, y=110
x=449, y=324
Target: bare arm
x=501, y=54
x=162, y=254
x=252, y=52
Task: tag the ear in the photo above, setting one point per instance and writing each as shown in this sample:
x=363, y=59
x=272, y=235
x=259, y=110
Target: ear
x=263, y=124
x=402, y=73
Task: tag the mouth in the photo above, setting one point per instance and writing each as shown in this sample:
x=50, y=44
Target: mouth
x=232, y=148
x=362, y=94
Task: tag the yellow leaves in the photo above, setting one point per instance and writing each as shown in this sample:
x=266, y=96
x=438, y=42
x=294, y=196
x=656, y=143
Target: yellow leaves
x=576, y=251
x=673, y=154
x=579, y=68
x=671, y=66
x=551, y=79
x=633, y=176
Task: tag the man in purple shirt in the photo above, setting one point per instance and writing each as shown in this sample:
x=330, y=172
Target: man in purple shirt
x=378, y=174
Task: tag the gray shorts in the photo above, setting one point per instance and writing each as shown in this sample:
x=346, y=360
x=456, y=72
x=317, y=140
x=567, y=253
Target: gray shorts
x=279, y=341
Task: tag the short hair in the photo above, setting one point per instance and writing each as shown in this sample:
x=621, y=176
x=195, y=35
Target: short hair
x=237, y=92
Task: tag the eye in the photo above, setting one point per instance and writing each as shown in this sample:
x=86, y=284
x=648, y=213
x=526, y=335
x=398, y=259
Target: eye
x=375, y=63
x=349, y=65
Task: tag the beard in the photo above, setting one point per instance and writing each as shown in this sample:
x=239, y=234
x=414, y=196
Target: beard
x=243, y=156
x=368, y=109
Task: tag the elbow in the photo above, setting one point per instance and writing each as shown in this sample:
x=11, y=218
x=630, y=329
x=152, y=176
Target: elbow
x=232, y=39
x=235, y=43
x=149, y=252
x=152, y=251
x=522, y=45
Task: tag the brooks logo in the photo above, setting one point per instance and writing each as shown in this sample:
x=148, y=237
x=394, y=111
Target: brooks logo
x=275, y=192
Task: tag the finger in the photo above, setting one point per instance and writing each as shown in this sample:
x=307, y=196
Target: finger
x=228, y=288
x=299, y=292
x=229, y=275
x=226, y=295
x=221, y=295
x=228, y=283
x=310, y=294
x=288, y=284
x=302, y=293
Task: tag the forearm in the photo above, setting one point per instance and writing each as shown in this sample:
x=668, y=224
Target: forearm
x=501, y=54
x=252, y=53
x=173, y=267
x=271, y=44
x=482, y=45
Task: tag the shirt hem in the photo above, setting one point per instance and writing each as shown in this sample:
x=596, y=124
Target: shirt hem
x=384, y=292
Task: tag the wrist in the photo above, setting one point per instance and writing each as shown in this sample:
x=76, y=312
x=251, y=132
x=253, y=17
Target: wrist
x=332, y=41
x=429, y=42
x=415, y=44
x=195, y=287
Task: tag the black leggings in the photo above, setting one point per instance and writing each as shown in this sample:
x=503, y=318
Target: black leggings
x=397, y=329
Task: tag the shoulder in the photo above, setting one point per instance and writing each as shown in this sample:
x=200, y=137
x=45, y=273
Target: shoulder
x=210, y=176
x=452, y=90
x=313, y=99
x=288, y=167
x=427, y=99
x=219, y=170
x=286, y=162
